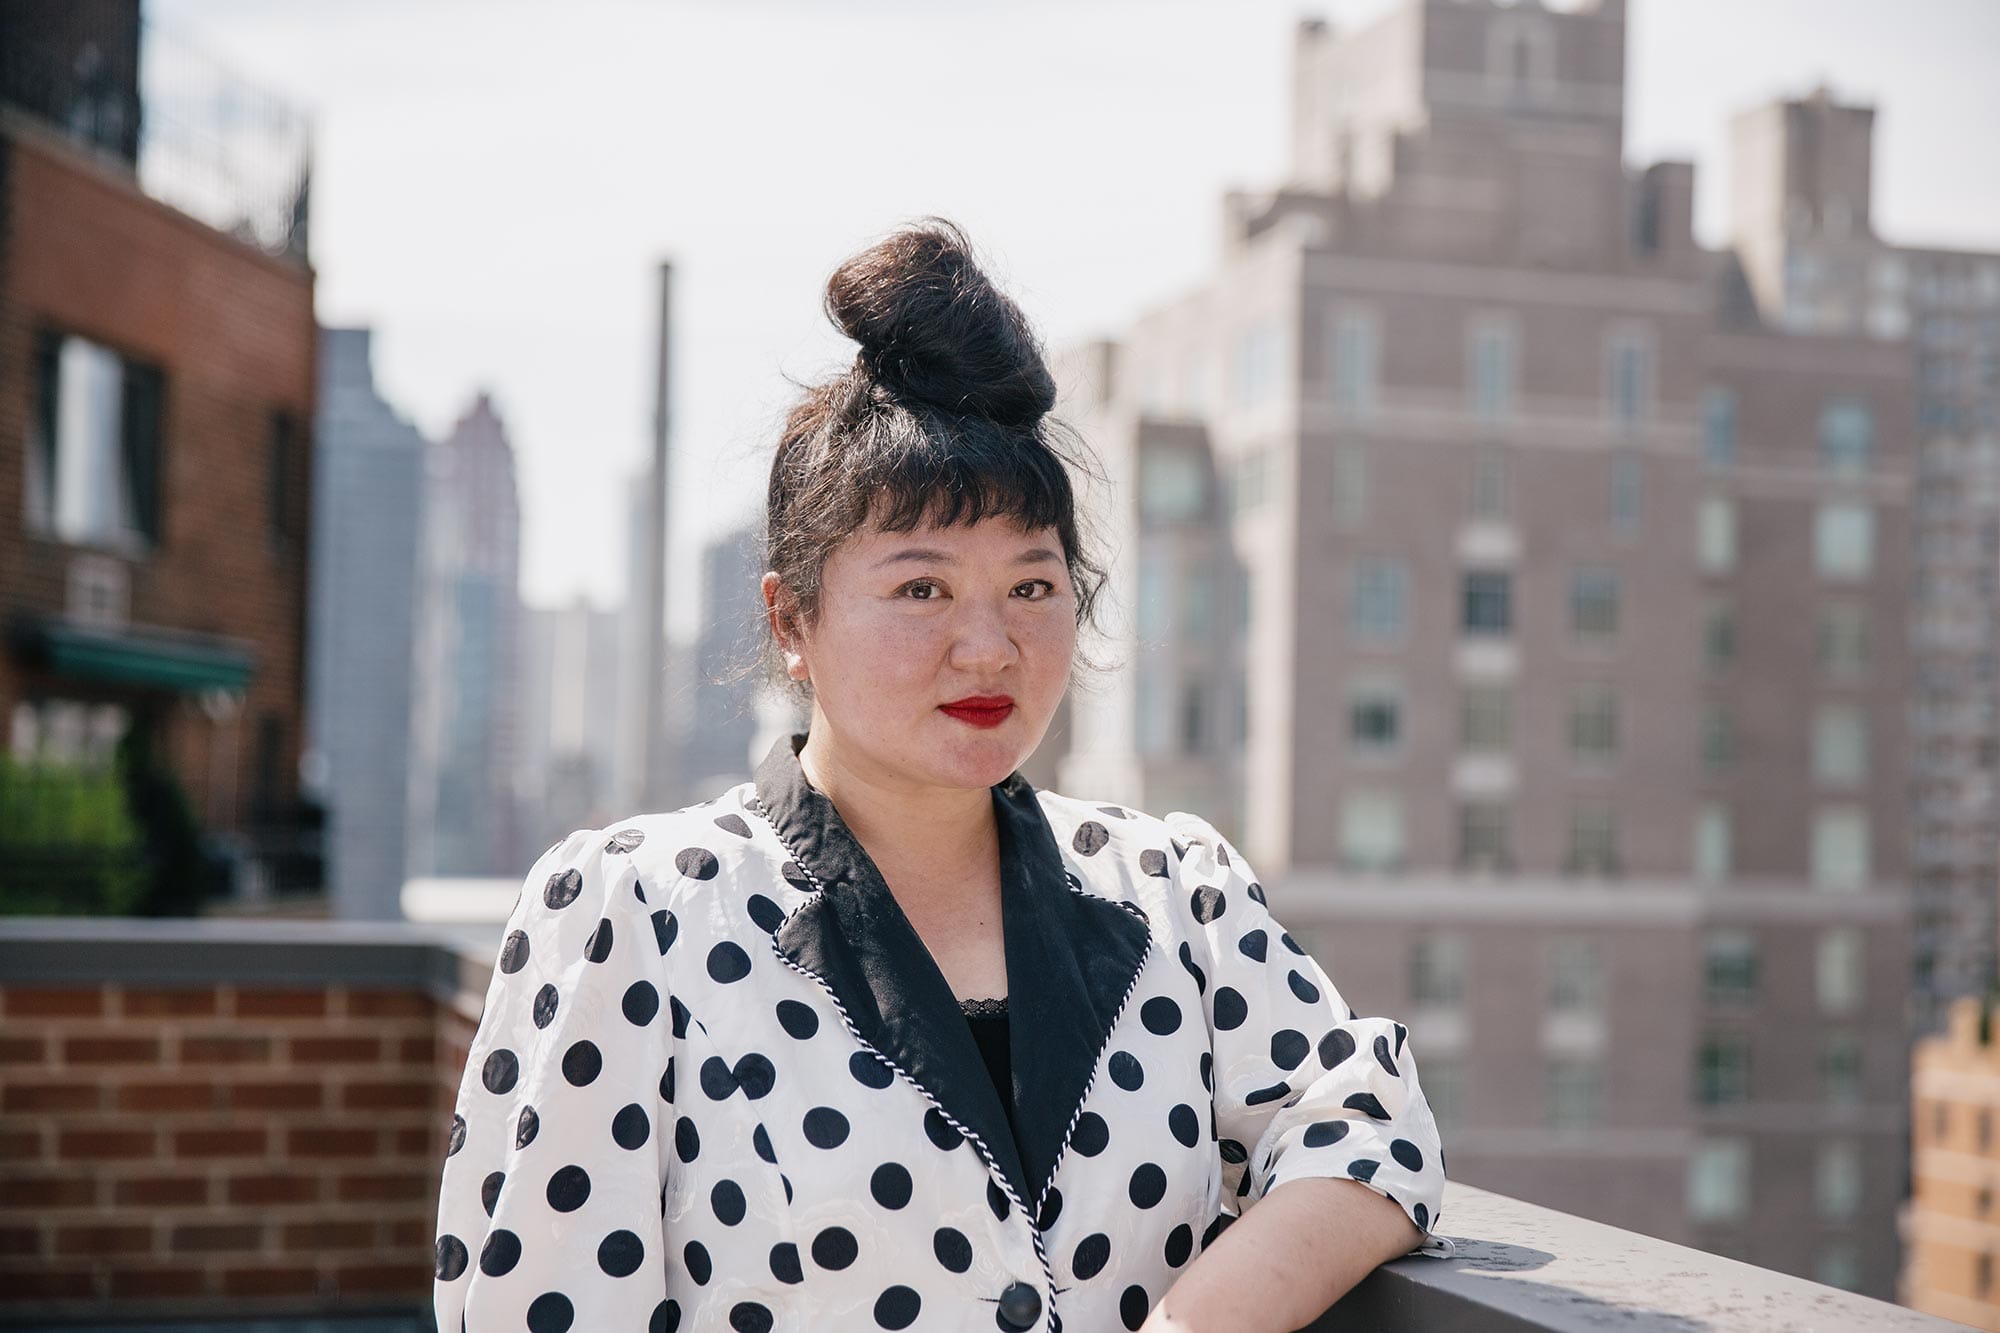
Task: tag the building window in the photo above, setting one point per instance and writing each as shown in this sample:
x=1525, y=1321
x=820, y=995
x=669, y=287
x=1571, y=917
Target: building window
x=1257, y=368
x=1371, y=830
x=1173, y=485
x=1719, y=1180
x=1350, y=486
x=1839, y=977
x=1840, y=859
x=1840, y=1070
x=1729, y=965
x=1356, y=362
x=1249, y=479
x=1718, y=428
x=1628, y=480
x=1488, y=602
x=1155, y=607
x=1722, y=1070
x=1148, y=725
x=1718, y=636
x=1374, y=717
x=1491, y=350
x=1198, y=603
x=1718, y=739
x=1846, y=437
x=93, y=462
x=1840, y=745
x=1482, y=837
x=1593, y=841
x=1843, y=641
x=1593, y=723
x=1576, y=977
x=1489, y=498
x=1483, y=719
x=1712, y=851
x=1240, y=598
x=1629, y=378
x=1194, y=716
x=1839, y=1265
x=1715, y=534
x=1437, y=971
x=1593, y=605
x=1378, y=599
x=1573, y=1093
x=1838, y=1181
x=1844, y=541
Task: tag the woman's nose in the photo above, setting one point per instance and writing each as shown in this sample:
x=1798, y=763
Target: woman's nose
x=984, y=640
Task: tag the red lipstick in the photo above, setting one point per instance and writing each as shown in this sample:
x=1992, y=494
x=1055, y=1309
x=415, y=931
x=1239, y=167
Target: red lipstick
x=981, y=710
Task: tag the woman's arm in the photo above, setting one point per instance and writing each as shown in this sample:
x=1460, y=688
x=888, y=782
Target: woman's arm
x=1284, y=1262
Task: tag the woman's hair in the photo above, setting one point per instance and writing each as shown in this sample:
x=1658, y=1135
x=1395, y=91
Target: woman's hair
x=944, y=416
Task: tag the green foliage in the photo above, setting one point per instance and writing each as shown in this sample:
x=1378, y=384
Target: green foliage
x=68, y=843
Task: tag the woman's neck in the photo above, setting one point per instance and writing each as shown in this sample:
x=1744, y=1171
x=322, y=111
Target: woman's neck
x=923, y=838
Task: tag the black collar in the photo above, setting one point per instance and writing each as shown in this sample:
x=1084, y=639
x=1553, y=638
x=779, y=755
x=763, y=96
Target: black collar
x=1072, y=958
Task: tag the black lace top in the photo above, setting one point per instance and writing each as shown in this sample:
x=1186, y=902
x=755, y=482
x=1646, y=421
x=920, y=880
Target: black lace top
x=988, y=1021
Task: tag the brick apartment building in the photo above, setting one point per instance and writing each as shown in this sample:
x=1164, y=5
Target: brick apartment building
x=156, y=395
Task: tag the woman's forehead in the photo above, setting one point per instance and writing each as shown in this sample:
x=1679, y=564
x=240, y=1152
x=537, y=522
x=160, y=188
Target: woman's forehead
x=993, y=536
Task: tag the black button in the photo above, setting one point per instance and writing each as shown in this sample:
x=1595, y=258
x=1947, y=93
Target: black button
x=1020, y=1306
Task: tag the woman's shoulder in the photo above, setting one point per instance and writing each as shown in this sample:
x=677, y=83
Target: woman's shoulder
x=719, y=845
x=1160, y=844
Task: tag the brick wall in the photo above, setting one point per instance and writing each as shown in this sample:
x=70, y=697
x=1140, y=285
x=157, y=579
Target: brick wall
x=221, y=1147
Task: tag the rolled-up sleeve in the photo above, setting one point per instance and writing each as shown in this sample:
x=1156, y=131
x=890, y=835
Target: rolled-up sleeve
x=549, y=1206
x=1303, y=1086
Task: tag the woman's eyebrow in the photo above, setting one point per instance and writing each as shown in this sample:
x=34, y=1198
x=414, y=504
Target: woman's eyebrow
x=1036, y=556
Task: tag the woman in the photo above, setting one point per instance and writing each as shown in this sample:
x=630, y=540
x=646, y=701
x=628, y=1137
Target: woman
x=886, y=1038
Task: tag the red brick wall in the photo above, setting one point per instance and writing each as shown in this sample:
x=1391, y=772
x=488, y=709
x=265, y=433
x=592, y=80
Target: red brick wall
x=83, y=251
x=170, y=1151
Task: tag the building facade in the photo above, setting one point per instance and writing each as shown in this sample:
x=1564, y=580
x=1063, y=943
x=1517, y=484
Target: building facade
x=1949, y=1228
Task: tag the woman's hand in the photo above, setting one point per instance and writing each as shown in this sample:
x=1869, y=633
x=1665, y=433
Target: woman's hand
x=1286, y=1260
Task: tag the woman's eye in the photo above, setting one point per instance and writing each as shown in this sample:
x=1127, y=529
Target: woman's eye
x=920, y=589
x=1048, y=588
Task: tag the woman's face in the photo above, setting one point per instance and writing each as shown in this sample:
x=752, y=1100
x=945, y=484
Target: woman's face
x=911, y=623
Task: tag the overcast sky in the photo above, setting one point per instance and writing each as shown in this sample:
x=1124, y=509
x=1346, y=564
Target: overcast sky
x=495, y=183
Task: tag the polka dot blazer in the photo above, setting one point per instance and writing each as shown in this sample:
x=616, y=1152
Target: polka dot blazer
x=719, y=1082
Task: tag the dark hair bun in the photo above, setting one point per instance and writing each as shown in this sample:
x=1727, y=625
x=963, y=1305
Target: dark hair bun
x=934, y=331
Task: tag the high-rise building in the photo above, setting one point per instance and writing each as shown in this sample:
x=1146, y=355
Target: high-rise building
x=721, y=688
x=568, y=734
x=367, y=533
x=463, y=812
x=1529, y=608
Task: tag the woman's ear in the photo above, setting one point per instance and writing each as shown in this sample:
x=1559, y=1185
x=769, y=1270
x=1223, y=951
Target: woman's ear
x=780, y=610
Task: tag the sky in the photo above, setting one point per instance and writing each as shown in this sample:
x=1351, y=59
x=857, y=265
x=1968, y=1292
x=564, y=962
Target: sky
x=496, y=182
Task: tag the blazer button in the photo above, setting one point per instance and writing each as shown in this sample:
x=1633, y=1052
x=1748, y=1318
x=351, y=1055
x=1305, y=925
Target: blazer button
x=1020, y=1306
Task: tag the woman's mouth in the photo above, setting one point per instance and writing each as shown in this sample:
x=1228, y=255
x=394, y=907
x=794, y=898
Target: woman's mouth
x=980, y=710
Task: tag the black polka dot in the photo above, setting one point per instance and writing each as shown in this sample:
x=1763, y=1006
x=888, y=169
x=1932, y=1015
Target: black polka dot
x=1090, y=1135
x=1423, y=1216
x=1335, y=1046
x=631, y=1127
x=1382, y=1056
x=1185, y=1124
x=825, y=1127
x=1289, y=1048
x=1133, y=1305
x=1322, y=1132
x=897, y=1308
x=1363, y=1168
x=1253, y=945
x=1230, y=1008
x=666, y=929
x=1285, y=938
x=1208, y=1071
x=526, y=1126
x=891, y=1185
x=767, y=915
x=1090, y=837
x=1160, y=1015
x=562, y=888
x=756, y=1075
x=727, y=962
x=952, y=1249
x=798, y=1020
x=785, y=1264
x=1407, y=1154
x=598, y=947
x=727, y=1202
x=1256, y=892
x=694, y=1256
x=641, y=1003
x=696, y=862
x=750, y=1317
x=1126, y=1071
x=666, y=1317
x=500, y=1071
x=835, y=1248
x=1365, y=1101
x=1258, y=1096
x=1051, y=1209
x=940, y=1131
x=1207, y=904
x=681, y=1016
x=667, y=1081
x=500, y=1253
x=451, y=1258
x=716, y=1079
x=869, y=1071
x=1149, y=1185
x=733, y=824
x=1194, y=970
x=1153, y=862
x=514, y=953
x=625, y=840
x=489, y=1190
x=550, y=1312
x=1231, y=1151
x=582, y=1063
x=760, y=1139
x=795, y=877
x=1301, y=987
x=1180, y=1245
x=568, y=1188
x=545, y=1006
x=1092, y=1253
x=687, y=1140
x=997, y=1200
x=620, y=1253
x=457, y=1139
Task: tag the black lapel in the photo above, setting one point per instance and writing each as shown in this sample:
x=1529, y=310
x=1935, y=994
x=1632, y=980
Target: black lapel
x=1071, y=960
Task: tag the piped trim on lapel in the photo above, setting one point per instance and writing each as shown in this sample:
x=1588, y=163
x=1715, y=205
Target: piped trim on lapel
x=1072, y=961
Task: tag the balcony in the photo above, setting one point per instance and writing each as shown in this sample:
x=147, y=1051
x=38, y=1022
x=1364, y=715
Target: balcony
x=240, y=1121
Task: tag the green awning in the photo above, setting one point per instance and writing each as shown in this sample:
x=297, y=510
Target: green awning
x=165, y=659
